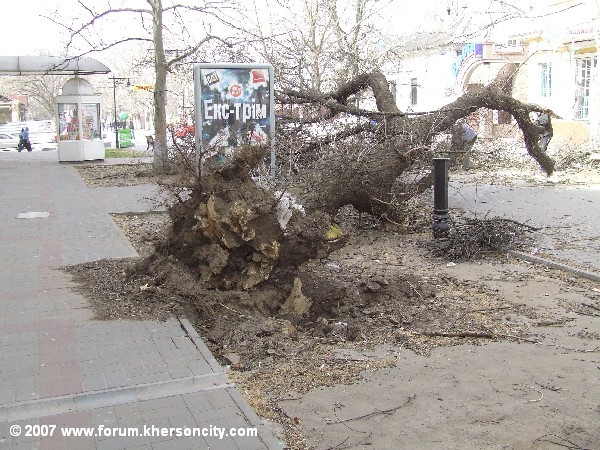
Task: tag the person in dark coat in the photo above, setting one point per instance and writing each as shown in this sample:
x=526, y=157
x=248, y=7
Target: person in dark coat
x=21, y=145
x=26, y=142
x=544, y=120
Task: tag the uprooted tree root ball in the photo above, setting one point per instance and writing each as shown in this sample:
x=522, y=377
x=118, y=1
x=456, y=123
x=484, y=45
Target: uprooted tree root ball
x=234, y=233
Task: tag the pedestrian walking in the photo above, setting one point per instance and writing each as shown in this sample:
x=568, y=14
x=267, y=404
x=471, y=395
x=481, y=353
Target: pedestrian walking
x=21, y=145
x=26, y=142
x=131, y=128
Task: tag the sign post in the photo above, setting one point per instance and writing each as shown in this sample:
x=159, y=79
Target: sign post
x=234, y=106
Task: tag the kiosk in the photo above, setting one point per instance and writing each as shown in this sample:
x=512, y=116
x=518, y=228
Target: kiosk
x=79, y=136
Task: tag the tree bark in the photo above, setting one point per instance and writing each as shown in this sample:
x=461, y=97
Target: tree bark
x=161, y=158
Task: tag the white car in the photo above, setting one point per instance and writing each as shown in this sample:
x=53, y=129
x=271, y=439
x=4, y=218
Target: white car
x=8, y=141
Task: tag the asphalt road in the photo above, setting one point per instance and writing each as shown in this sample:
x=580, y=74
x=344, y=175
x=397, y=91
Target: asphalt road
x=568, y=216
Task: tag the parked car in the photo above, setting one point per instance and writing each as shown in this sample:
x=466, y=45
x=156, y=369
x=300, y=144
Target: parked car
x=8, y=141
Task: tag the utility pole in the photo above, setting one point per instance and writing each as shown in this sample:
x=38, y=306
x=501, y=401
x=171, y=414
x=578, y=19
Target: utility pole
x=115, y=79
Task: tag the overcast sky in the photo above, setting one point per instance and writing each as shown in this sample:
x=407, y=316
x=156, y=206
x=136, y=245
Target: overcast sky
x=25, y=32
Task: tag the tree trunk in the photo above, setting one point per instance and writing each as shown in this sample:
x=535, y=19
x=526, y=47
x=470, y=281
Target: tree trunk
x=161, y=159
x=401, y=141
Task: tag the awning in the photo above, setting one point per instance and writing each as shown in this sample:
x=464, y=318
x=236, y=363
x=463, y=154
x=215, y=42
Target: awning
x=55, y=65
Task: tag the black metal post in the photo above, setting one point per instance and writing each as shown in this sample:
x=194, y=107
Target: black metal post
x=440, y=197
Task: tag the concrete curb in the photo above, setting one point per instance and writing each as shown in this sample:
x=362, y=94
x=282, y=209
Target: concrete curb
x=200, y=345
x=112, y=397
x=266, y=435
x=555, y=265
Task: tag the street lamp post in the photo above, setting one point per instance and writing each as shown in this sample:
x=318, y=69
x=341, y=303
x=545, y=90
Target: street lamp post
x=115, y=79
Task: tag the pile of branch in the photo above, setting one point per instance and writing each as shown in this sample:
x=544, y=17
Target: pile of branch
x=475, y=238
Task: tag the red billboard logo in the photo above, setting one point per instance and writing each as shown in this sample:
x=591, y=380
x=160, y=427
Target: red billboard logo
x=235, y=90
x=258, y=76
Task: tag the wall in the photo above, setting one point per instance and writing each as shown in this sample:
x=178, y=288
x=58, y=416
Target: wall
x=435, y=82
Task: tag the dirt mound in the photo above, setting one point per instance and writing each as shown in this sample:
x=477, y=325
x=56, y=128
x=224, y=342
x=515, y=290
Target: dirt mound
x=380, y=289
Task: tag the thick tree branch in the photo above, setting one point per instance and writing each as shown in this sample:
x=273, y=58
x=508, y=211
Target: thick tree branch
x=331, y=102
x=492, y=99
x=365, y=178
x=430, y=124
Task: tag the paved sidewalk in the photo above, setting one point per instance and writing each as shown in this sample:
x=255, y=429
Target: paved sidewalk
x=60, y=367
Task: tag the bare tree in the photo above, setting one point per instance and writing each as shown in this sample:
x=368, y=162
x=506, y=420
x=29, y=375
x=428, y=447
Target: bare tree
x=151, y=25
x=41, y=91
x=316, y=44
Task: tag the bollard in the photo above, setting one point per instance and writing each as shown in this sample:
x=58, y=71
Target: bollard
x=440, y=197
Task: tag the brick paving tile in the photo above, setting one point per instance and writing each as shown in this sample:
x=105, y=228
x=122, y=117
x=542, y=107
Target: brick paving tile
x=59, y=366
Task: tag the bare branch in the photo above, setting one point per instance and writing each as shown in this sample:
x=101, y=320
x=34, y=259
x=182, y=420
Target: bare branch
x=95, y=17
x=195, y=48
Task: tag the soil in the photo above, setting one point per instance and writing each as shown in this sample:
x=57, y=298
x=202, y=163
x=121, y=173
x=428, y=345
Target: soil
x=399, y=348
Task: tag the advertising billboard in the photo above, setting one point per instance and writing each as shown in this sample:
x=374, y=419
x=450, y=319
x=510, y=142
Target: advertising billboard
x=234, y=106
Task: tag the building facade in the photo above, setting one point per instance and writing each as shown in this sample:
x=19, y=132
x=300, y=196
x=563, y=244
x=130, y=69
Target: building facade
x=548, y=59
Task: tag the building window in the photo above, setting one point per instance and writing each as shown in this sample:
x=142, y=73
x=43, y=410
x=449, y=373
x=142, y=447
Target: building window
x=583, y=77
x=68, y=122
x=545, y=80
x=413, y=91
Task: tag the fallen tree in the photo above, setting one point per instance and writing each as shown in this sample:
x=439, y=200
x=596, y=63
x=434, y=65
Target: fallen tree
x=234, y=232
x=402, y=143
